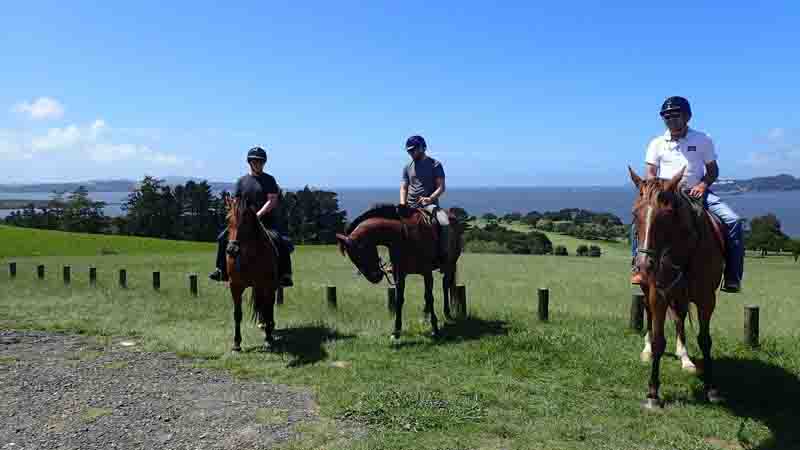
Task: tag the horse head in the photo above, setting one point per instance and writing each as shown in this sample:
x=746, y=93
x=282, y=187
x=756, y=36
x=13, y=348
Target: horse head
x=661, y=229
x=363, y=255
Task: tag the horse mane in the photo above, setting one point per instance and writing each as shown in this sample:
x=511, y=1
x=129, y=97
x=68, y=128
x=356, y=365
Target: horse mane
x=382, y=211
x=653, y=191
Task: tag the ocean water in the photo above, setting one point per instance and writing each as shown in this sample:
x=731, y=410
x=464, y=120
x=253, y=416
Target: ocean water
x=478, y=201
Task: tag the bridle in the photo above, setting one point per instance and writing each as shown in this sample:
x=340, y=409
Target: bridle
x=658, y=256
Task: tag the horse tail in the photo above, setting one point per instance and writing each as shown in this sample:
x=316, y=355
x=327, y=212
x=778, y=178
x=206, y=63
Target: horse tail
x=258, y=315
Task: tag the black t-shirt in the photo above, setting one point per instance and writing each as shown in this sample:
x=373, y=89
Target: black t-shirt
x=255, y=190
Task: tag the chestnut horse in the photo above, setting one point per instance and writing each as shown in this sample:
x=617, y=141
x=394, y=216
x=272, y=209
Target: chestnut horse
x=680, y=264
x=411, y=236
x=251, y=262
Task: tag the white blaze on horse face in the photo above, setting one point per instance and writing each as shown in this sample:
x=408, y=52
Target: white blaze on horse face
x=648, y=218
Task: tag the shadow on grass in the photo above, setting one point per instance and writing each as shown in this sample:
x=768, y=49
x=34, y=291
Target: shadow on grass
x=763, y=392
x=472, y=328
x=305, y=344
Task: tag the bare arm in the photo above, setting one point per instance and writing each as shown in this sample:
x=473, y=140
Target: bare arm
x=652, y=171
x=272, y=203
x=712, y=173
x=403, y=192
x=440, y=188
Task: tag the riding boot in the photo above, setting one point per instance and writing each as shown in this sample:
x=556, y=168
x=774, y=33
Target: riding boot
x=220, y=274
x=285, y=263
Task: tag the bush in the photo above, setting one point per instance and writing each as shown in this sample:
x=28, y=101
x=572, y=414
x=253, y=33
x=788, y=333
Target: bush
x=486, y=247
x=560, y=250
x=545, y=225
x=595, y=252
x=582, y=250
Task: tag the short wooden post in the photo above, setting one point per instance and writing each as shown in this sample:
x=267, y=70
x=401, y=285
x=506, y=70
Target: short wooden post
x=279, y=296
x=156, y=280
x=637, y=312
x=193, y=284
x=40, y=271
x=460, y=304
x=391, y=300
x=67, y=274
x=331, y=296
x=544, y=304
x=123, y=278
x=92, y=276
x=751, y=325
x=12, y=269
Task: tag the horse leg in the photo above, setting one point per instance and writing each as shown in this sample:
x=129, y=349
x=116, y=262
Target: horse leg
x=447, y=285
x=704, y=341
x=267, y=303
x=399, y=300
x=658, y=344
x=429, y=304
x=647, y=351
x=680, y=342
x=236, y=294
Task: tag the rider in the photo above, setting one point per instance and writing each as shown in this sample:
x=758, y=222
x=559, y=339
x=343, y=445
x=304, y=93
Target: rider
x=261, y=190
x=681, y=146
x=422, y=185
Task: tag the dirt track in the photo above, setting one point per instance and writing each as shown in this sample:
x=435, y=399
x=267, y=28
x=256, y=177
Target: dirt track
x=62, y=391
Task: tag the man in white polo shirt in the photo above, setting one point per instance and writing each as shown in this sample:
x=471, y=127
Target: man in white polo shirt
x=679, y=147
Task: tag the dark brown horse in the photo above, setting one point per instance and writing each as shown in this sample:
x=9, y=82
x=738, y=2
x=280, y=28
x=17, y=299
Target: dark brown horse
x=680, y=264
x=411, y=236
x=251, y=262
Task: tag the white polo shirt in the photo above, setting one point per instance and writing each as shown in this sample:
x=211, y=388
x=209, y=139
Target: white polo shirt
x=692, y=151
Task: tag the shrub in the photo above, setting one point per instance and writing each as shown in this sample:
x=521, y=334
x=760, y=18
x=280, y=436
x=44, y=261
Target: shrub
x=582, y=250
x=594, y=251
x=486, y=247
x=560, y=250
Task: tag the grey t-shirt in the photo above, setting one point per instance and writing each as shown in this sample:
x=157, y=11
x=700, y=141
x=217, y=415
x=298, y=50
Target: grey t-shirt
x=420, y=176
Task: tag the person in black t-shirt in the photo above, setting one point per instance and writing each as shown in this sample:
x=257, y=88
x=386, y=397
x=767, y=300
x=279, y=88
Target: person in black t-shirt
x=261, y=190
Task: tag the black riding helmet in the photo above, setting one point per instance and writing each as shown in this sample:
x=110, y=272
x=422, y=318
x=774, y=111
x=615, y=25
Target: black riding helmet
x=256, y=153
x=415, y=142
x=678, y=104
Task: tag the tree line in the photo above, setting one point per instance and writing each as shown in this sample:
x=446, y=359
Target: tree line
x=191, y=211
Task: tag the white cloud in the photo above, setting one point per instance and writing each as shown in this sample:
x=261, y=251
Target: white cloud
x=91, y=143
x=41, y=108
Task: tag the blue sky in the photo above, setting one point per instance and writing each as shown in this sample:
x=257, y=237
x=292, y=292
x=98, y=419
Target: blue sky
x=563, y=94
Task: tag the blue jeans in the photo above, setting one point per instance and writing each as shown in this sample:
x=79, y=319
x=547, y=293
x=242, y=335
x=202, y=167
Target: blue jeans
x=734, y=244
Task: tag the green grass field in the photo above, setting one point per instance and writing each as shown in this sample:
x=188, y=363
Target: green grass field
x=499, y=380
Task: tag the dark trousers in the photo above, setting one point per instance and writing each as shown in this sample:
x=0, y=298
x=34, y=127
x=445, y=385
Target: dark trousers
x=285, y=249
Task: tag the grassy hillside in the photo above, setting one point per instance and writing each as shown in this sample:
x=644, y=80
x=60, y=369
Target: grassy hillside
x=498, y=380
x=31, y=242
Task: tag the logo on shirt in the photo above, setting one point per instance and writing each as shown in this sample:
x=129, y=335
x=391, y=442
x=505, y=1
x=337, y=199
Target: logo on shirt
x=692, y=148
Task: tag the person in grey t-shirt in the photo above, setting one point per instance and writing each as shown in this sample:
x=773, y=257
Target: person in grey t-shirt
x=423, y=184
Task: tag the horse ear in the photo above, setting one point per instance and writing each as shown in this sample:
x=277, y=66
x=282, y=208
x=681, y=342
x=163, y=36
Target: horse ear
x=637, y=180
x=672, y=185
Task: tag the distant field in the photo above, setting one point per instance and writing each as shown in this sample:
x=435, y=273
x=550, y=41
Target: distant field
x=15, y=241
x=500, y=380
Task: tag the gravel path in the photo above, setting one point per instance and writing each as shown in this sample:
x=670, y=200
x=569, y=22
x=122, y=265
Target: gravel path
x=61, y=391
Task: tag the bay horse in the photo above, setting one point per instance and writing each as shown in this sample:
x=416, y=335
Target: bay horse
x=251, y=261
x=410, y=235
x=680, y=264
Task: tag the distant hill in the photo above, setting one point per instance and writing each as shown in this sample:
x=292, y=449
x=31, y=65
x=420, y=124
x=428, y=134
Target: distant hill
x=103, y=185
x=781, y=182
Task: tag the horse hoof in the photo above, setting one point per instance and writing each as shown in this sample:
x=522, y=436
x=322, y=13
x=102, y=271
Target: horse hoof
x=652, y=404
x=394, y=338
x=236, y=348
x=436, y=334
x=646, y=357
x=261, y=325
x=714, y=397
x=688, y=366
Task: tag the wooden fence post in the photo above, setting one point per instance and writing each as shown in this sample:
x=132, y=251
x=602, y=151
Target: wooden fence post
x=751, y=325
x=193, y=284
x=40, y=271
x=637, y=312
x=12, y=269
x=544, y=304
x=391, y=300
x=123, y=278
x=92, y=276
x=67, y=274
x=460, y=304
x=279, y=295
x=156, y=280
x=331, y=296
